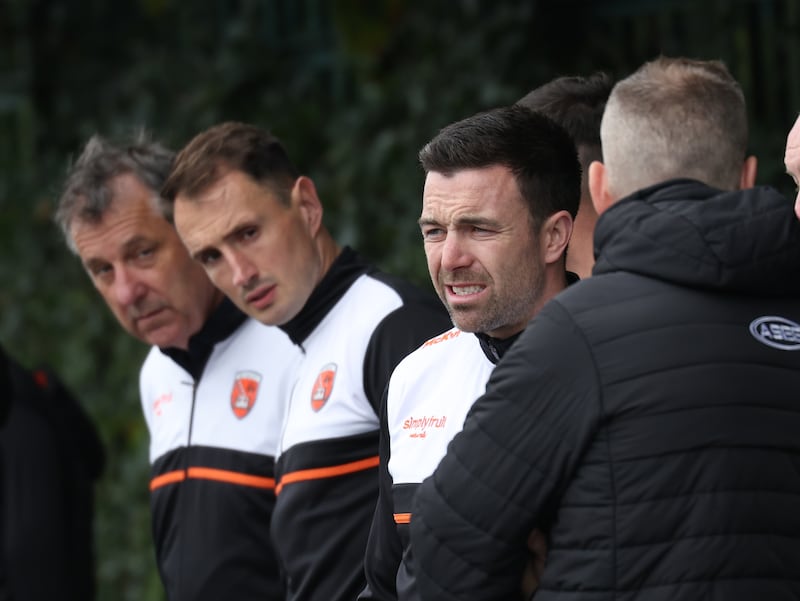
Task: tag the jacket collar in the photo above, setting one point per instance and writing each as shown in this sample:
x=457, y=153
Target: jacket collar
x=495, y=348
x=689, y=234
x=222, y=322
x=345, y=270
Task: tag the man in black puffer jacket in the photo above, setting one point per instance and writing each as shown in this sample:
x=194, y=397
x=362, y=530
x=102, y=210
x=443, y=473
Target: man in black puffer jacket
x=647, y=420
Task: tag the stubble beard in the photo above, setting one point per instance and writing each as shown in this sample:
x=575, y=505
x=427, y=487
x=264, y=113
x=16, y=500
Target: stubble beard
x=515, y=306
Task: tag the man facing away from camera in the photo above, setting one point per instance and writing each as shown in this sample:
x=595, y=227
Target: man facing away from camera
x=501, y=190
x=254, y=222
x=213, y=386
x=646, y=420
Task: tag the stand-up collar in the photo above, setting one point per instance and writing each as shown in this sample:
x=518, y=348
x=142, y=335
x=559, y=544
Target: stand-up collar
x=222, y=322
x=345, y=269
x=495, y=348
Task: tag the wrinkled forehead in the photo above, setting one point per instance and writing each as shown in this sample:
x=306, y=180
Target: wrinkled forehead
x=120, y=226
x=473, y=190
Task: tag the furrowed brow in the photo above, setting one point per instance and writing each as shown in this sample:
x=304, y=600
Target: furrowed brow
x=475, y=220
x=427, y=221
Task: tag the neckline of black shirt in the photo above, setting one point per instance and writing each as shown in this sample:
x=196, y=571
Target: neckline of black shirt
x=344, y=270
x=495, y=348
x=223, y=321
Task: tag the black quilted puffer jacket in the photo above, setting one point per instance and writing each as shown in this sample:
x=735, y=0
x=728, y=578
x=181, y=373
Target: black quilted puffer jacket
x=648, y=420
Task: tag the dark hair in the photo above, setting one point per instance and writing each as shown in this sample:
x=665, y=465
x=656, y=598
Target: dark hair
x=230, y=146
x=576, y=104
x=87, y=196
x=539, y=153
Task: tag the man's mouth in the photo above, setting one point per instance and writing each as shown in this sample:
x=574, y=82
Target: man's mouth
x=261, y=298
x=465, y=290
x=148, y=313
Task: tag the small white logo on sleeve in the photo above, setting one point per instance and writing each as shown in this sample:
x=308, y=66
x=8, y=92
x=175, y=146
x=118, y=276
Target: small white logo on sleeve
x=777, y=332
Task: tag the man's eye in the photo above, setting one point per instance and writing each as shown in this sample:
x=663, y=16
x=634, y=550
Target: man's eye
x=209, y=257
x=101, y=272
x=433, y=233
x=248, y=233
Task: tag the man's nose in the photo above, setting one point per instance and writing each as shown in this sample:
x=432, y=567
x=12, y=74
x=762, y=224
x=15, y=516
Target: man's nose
x=455, y=252
x=128, y=288
x=244, y=270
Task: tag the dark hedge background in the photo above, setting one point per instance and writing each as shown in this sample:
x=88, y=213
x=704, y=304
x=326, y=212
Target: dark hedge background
x=353, y=88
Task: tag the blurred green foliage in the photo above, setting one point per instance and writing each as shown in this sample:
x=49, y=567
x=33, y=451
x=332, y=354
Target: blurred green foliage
x=353, y=87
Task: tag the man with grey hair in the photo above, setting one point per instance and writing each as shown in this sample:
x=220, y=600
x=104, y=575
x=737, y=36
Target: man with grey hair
x=673, y=119
x=213, y=386
x=646, y=420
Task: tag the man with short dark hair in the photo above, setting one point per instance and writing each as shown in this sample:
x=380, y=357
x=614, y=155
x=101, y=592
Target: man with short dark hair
x=577, y=104
x=501, y=190
x=254, y=222
x=646, y=420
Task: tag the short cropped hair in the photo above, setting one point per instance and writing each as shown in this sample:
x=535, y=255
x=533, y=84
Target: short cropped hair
x=576, y=104
x=539, y=153
x=87, y=197
x=230, y=146
x=675, y=118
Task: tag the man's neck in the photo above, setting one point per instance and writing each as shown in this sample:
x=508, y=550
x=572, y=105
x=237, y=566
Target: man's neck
x=580, y=253
x=328, y=250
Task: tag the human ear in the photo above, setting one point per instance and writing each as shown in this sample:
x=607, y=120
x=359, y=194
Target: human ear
x=555, y=235
x=598, y=187
x=305, y=198
x=748, y=176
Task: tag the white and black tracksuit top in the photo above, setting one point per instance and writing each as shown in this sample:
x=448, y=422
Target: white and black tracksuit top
x=428, y=397
x=355, y=328
x=214, y=415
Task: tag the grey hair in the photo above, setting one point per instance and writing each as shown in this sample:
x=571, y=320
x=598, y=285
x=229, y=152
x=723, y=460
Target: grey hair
x=674, y=118
x=87, y=196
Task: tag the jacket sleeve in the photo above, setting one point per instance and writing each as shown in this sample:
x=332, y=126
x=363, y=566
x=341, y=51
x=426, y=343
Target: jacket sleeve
x=503, y=474
x=400, y=332
x=384, y=549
